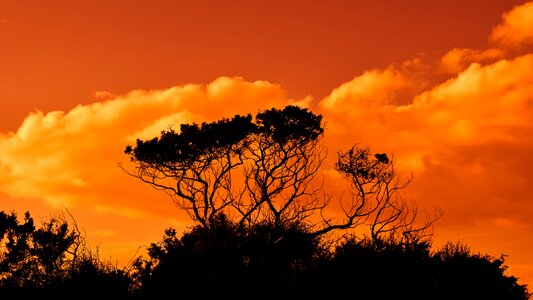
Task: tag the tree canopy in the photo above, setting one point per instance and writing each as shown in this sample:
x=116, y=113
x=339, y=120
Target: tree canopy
x=265, y=169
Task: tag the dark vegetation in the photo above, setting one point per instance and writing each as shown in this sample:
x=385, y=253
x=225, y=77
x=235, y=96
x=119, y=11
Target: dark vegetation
x=263, y=226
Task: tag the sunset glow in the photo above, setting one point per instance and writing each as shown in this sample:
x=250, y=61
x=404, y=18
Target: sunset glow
x=444, y=86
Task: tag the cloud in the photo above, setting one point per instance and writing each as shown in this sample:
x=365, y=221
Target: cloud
x=516, y=29
x=70, y=158
x=459, y=59
x=475, y=125
x=513, y=35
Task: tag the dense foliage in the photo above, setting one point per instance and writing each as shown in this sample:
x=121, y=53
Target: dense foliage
x=265, y=260
x=53, y=261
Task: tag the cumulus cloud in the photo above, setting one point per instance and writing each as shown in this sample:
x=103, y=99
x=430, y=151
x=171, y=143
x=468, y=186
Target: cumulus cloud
x=71, y=157
x=516, y=28
x=513, y=35
x=477, y=123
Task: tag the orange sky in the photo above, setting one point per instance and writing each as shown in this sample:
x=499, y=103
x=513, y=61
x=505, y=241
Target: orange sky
x=447, y=86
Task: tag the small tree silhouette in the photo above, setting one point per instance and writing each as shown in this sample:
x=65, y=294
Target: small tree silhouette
x=52, y=261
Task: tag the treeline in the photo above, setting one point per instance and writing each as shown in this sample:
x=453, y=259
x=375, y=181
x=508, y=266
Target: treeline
x=52, y=261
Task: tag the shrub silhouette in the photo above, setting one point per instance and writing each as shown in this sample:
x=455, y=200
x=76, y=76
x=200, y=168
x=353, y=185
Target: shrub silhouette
x=227, y=260
x=271, y=261
x=52, y=261
x=460, y=274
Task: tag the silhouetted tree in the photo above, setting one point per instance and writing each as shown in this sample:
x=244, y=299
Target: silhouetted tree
x=52, y=260
x=277, y=156
x=33, y=257
x=377, y=199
